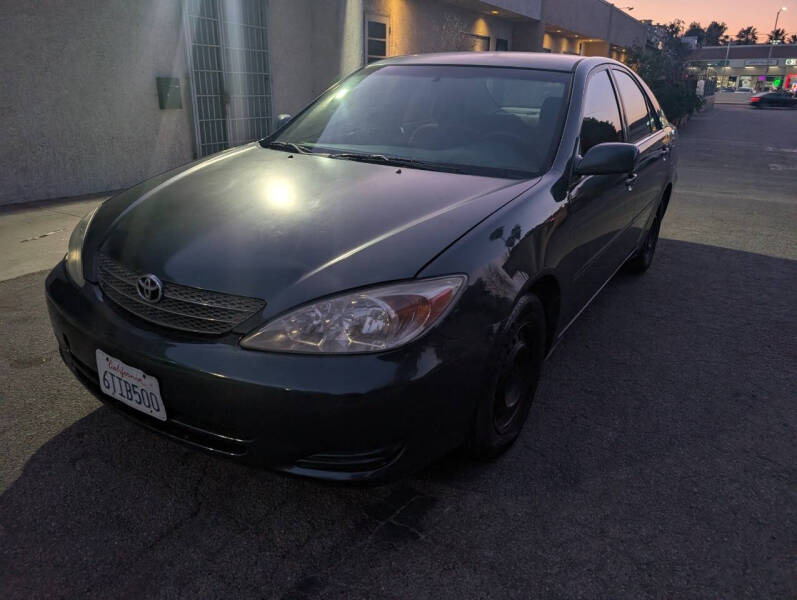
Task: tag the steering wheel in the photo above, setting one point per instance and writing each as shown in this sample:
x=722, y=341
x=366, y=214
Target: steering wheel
x=514, y=140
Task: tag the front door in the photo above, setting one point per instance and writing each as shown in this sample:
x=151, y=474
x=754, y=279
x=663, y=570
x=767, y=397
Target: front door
x=229, y=71
x=599, y=207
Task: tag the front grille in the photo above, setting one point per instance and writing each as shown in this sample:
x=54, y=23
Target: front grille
x=180, y=307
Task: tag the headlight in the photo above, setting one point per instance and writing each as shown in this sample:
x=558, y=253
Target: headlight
x=74, y=253
x=370, y=320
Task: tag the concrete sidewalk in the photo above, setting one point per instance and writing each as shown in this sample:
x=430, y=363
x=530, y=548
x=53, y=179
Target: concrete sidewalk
x=34, y=237
x=732, y=98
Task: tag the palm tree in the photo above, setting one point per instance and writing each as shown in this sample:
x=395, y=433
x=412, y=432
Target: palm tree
x=714, y=33
x=695, y=30
x=777, y=35
x=792, y=38
x=747, y=36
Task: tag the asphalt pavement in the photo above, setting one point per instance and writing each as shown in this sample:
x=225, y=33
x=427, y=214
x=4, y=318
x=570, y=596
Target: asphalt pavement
x=659, y=460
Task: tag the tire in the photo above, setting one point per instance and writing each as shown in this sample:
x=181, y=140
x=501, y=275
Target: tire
x=643, y=257
x=512, y=376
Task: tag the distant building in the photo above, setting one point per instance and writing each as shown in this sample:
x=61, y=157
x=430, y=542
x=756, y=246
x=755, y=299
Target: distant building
x=655, y=33
x=100, y=95
x=690, y=40
x=747, y=66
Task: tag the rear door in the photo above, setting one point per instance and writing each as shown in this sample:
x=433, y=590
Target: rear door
x=653, y=139
x=784, y=98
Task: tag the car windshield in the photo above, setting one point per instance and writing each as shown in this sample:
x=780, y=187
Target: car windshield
x=490, y=121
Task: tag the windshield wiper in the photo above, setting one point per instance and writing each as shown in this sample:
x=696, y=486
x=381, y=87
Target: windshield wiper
x=290, y=147
x=395, y=161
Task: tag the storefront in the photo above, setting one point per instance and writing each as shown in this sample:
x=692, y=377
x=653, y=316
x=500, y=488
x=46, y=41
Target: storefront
x=757, y=67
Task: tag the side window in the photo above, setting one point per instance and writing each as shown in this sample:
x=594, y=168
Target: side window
x=640, y=122
x=601, y=115
x=655, y=104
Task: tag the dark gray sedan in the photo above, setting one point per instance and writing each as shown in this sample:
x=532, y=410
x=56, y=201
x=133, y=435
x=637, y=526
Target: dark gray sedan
x=778, y=98
x=379, y=281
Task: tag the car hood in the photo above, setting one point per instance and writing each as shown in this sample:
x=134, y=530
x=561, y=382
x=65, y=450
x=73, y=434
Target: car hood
x=287, y=228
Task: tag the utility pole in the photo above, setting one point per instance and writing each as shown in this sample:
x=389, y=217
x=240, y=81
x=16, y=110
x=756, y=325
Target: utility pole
x=771, y=40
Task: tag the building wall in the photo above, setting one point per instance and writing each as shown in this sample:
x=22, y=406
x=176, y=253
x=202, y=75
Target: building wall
x=560, y=44
x=596, y=48
x=80, y=105
x=527, y=36
x=531, y=9
x=291, y=55
x=626, y=31
x=595, y=19
x=418, y=26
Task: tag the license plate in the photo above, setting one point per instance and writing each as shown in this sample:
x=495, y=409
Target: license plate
x=129, y=385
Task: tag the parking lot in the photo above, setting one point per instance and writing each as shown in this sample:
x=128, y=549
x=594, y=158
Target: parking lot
x=659, y=460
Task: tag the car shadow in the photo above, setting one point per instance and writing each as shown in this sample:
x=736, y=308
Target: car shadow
x=659, y=455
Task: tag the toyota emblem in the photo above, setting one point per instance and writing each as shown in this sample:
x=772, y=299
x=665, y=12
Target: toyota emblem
x=149, y=288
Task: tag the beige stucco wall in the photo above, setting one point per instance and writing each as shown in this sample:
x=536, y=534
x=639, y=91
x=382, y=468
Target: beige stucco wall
x=313, y=44
x=79, y=100
x=291, y=55
x=560, y=44
x=80, y=110
x=418, y=26
x=594, y=19
x=595, y=49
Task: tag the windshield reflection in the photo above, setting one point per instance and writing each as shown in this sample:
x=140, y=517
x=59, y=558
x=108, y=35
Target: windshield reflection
x=481, y=120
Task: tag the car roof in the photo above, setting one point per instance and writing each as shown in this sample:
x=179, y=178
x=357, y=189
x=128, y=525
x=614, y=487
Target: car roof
x=525, y=60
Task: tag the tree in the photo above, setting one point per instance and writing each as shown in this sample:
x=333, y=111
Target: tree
x=665, y=71
x=695, y=30
x=725, y=40
x=715, y=32
x=792, y=38
x=777, y=35
x=747, y=36
x=673, y=29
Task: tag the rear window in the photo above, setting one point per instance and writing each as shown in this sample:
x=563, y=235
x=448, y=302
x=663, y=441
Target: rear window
x=639, y=121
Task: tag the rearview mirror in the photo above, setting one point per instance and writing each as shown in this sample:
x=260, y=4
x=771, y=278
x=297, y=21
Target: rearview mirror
x=282, y=120
x=608, y=158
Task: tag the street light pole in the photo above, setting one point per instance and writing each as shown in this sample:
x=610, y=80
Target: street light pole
x=728, y=63
x=772, y=39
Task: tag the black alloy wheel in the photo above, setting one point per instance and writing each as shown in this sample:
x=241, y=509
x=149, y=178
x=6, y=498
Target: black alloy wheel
x=513, y=374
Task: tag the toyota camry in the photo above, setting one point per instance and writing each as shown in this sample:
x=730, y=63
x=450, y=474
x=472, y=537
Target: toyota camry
x=379, y=281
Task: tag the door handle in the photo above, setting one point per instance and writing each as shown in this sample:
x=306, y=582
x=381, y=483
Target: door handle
x=630, y=180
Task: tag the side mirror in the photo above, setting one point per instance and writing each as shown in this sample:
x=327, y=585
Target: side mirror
x=607, y=159
x=282, y=120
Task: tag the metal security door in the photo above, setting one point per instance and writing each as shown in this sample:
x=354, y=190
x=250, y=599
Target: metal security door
x=228, y=61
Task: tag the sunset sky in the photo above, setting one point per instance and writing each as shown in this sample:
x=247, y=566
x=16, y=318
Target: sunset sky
x=735, y=13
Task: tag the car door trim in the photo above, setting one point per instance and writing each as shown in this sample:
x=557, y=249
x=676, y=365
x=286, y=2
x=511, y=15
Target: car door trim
x=564, y=329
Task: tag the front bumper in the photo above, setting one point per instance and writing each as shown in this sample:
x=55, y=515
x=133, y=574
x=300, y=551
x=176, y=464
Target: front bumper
x=376, y=416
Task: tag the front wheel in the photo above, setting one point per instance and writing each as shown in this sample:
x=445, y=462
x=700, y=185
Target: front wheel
x=513, y=374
